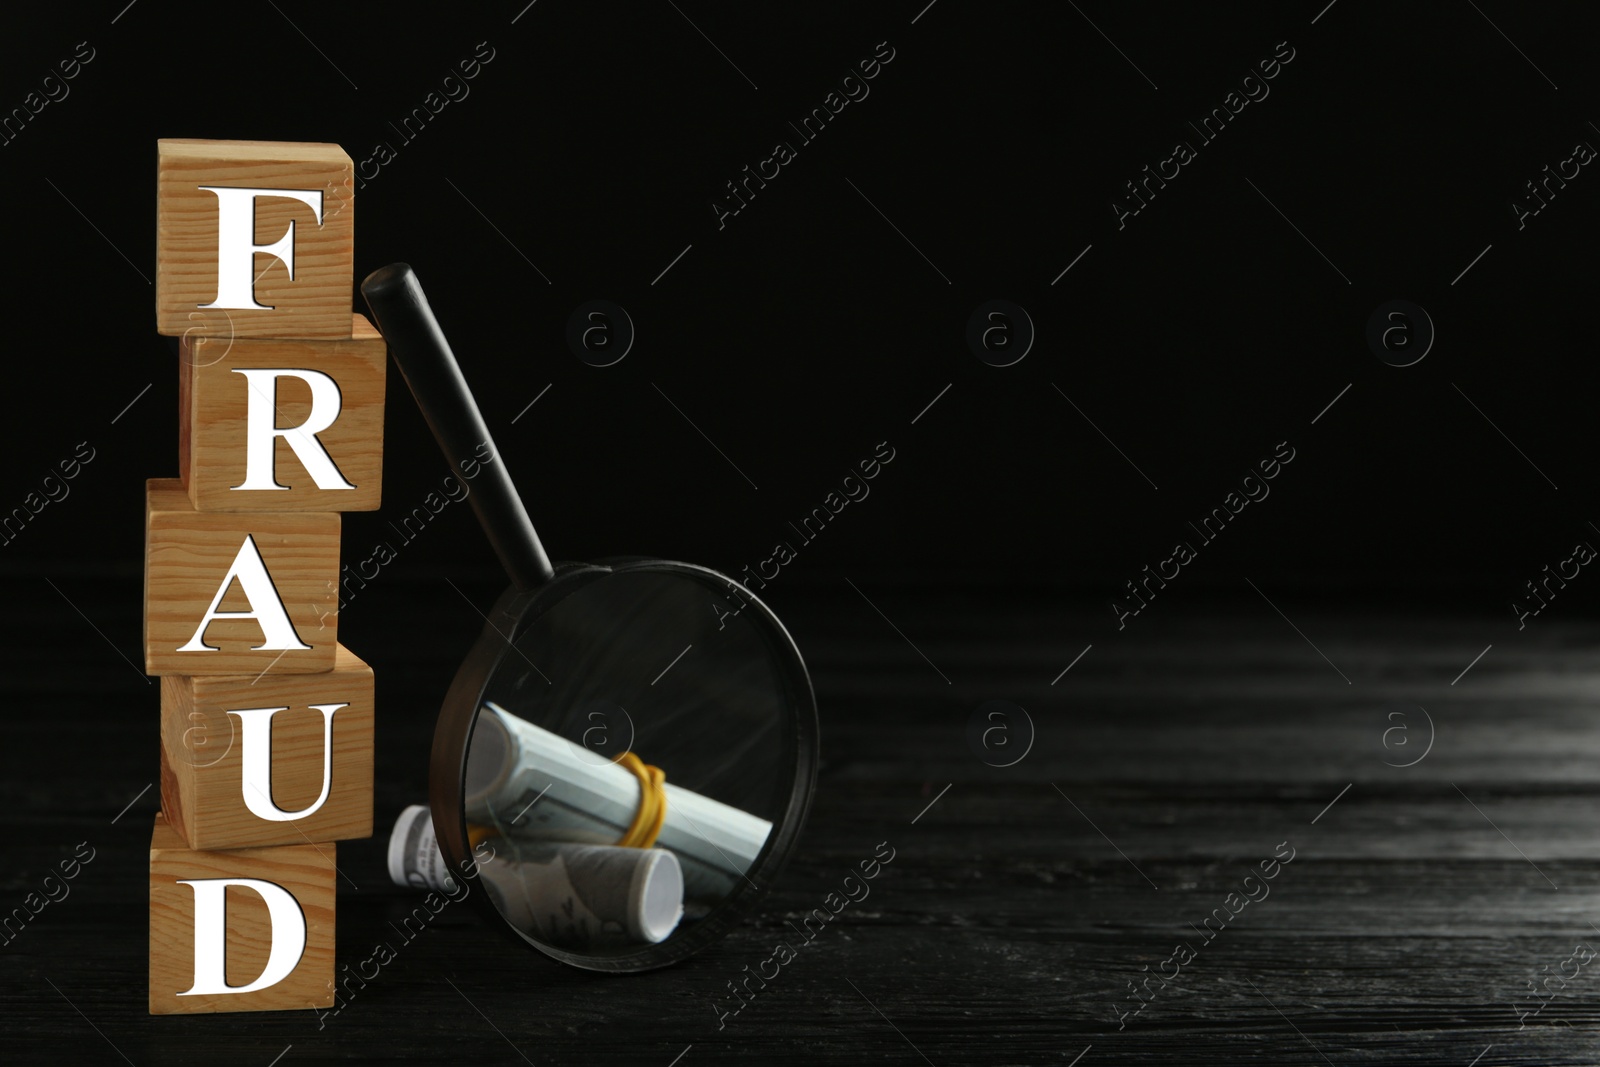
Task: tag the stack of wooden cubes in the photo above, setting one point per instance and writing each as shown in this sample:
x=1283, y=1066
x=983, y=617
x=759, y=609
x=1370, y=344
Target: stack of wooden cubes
x=266, y=720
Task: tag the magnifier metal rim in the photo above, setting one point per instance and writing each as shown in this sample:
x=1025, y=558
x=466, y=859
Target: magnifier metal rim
x=511, y=615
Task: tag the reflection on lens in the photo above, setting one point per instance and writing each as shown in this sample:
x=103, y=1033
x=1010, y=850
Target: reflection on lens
x=527, y=784
x=579, y=897
x=586, y=896
x=627, y=761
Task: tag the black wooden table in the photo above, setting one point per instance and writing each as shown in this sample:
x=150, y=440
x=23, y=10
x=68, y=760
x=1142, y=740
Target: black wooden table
x=1030, y=914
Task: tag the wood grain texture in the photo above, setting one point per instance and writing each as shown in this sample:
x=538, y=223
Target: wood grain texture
x=188, y=554
x=202, y=780
x=1008, y=926
x=315, y=303
x=214, y=401
x=307, y=872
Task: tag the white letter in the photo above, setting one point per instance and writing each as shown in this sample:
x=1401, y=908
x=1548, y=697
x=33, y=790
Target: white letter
x=211, y=935
x=261, y=430
x=255, y=749
x=276, y=629
x=236, y=241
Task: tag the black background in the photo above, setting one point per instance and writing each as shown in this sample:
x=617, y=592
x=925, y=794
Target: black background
x=807, y=330
x=811, y=328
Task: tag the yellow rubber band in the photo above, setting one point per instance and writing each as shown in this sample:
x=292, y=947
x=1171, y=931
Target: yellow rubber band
x=647, y=821
x=652, y=811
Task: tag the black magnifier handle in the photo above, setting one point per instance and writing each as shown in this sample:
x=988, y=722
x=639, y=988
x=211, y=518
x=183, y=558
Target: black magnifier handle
x=429, y=367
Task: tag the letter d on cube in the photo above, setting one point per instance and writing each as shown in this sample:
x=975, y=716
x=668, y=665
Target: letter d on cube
x=247, y=930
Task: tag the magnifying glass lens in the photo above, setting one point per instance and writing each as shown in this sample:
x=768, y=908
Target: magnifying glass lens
x=631, y=752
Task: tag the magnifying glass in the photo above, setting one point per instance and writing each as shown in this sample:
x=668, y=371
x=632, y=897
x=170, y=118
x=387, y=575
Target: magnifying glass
x=624, y=760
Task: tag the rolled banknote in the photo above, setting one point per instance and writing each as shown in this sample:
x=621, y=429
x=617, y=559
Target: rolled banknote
x=414, y=857
x=588, y=896
x=573, y=896
x=529, y=784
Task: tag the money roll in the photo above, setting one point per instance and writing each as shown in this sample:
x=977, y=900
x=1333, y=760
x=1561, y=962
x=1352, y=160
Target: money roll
x=529, y=784
x=574, y=896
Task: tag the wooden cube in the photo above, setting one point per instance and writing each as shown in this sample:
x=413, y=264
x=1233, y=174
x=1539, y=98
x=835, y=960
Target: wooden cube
x=207, y=937
x=236, y=400
x=242, y=756
x=275, y=573
x=223, y=256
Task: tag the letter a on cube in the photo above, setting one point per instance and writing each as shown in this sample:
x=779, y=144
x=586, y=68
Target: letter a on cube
x=275, y=760
x=254, y=238
x=248, y=930
x=237, y=594
x=273, y=425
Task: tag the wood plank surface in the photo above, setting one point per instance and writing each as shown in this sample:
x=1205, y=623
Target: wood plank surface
x=1021, y=902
